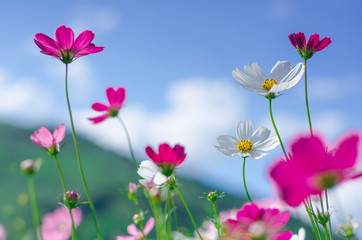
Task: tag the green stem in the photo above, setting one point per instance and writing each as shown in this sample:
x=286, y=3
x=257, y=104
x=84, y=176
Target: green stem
x=306, y=96
x=34, y=207
x=246, y=189
x=174, y=211
x=139, y=213
x=325, y=231
x=216, y=219
x=129, y=142
x=78, y=157
x=188, y=211
x=74, y=233
x=314, y=217
x=65, y=191
x=275, y=128
x=311, y=221
x=329, y=222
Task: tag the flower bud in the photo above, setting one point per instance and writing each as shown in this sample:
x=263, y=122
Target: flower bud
x=323, y=218
x=71, y=199
x=132, y=187
x=28, y=167
x=137, y=218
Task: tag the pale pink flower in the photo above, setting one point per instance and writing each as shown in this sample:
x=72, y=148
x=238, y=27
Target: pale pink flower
x=3, y=234
x=45, y=139
x=208, y=231
x=136, y=234
x=257, y=223
x=57, y=225
x=116, y=99
x=65, y=48
x=312, y=167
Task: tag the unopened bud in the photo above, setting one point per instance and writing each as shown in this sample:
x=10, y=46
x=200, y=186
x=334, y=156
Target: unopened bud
x=136, y=218
x=71, y=199
x=28, y=167
x=132, y=187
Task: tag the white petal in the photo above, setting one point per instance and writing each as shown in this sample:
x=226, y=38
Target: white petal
x=160, y=179
x=148, y=169
x=244, y=130
x=280, y=70
x=260, y=135
x=267, y=145
x=228, y=145
x=256, y=72
x=143, y=182
x=248, y=82
x=290, y=80
x=256, y=154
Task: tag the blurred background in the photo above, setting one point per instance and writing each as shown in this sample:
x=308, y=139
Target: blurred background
x=175, y=59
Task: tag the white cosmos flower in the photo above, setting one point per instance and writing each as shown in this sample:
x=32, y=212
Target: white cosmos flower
x=150, y=172
x=300, y=235
x=249, y=143
x=282, y=77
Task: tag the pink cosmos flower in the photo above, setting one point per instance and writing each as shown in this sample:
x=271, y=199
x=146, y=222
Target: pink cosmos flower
x=167, y=158
x=45, y=139
x=312, y=167
x=136, y=234
x=306, y=50
x=2, y=233
x=116, y=98
x=65, y=48
x=254, y=223
x=57, y=225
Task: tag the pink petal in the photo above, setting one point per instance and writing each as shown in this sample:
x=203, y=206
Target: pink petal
x=133, y=231
x=120, y=97
x=152, y=155
x=42, y=137
x=59, y=134
x=180, y=152
x=46, y=41
x=83, y=40
x=65, y=37
x=149, y=225
x=282, y=236
x=300, y=37
x=98, y=119
x=89, y=50
x=292, y=39
x=99, y=107
x=125, y=238
x=346, y=154
x=313, y=41
x=111, y=95
x=323, y=44
x=166, y=153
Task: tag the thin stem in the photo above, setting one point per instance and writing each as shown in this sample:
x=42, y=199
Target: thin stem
x=275, y=128
x=74, y=233
x=325, y=231
x=174, y=211
x=311, y=221
x=246, y=189
x=139, y=213
x=65, y=191
x=129, y=142
x=188, y=211
x=216, y=219
x=34, y=207
x=306, y=96
x=78, y=157
x=329, y=221
x=314, y=218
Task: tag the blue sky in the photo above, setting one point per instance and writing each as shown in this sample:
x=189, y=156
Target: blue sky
x=175, y=58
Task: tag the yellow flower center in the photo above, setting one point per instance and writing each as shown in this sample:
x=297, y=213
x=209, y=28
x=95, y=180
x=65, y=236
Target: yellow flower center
x=268, y=84
x=245, y=145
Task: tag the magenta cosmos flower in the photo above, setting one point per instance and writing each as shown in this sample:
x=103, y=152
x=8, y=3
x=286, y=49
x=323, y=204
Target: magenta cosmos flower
x=312, y=167
x=57, y=225
x=48, y=141
x=254, y=223
x=306, y=50
x=136, y=234
x=116, y=98
x=64, y=47
x=160, y=169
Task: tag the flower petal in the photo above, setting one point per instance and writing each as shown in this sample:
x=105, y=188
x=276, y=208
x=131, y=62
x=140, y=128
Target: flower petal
x=290, y=80
x=249, y=82
x=148, y=170
x=160, y=179
x=42, y=137
x=111, y=95
x=65, y=37
x=346, y=154
x=244, y=130
x=89, y=50
x=323, y=44
x=99, y=119
x=260, y=135
x=149, y=225
x=133, y=231
x=83, y=40
x=99, y=107
x=228, y=145
x=267, y=145
x=280, y=70
x=59, y=134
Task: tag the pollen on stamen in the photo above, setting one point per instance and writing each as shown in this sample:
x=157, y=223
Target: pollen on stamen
x=245, y=145
x=268, y=84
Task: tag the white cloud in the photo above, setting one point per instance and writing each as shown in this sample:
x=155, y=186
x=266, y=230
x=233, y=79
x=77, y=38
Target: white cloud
x=96, y=19
x=24, y=100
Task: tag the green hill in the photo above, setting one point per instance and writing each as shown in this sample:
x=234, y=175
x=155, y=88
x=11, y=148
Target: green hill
x=107, y=174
